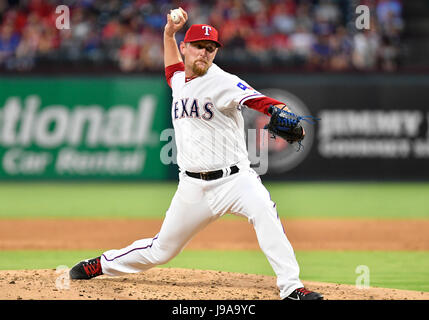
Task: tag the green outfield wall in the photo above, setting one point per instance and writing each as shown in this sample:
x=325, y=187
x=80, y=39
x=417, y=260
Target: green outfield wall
x=372, y=127
x=83, y=128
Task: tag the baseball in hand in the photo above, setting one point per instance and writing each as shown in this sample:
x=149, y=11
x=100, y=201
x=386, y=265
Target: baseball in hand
x=175, y=15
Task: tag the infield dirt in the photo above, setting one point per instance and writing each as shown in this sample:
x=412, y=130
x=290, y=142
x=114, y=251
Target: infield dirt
x=172, y=284
x=224, y=234
x=168, y=283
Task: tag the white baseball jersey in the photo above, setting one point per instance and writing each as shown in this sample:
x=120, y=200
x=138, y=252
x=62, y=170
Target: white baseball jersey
x=206, y=115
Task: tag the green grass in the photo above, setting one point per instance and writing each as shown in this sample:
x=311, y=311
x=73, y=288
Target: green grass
x=151, y=200
x=365, y=200
x=407, y=270
x=42, y=259
x=88, y=200
x=388, y=269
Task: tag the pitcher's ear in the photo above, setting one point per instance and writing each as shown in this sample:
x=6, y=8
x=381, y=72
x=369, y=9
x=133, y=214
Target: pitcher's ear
x=182, y=47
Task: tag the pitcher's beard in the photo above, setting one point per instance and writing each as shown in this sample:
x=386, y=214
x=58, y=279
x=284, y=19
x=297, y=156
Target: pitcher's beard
x=200, y=69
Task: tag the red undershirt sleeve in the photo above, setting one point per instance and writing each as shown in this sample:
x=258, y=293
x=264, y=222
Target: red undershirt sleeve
x=262, y=104
x=171, y=70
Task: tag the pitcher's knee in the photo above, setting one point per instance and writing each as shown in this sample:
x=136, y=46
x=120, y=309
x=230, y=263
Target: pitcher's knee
x=163, y=255
x=261, y=210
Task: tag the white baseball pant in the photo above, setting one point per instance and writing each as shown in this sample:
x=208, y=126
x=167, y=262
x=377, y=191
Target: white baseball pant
x=195, y=204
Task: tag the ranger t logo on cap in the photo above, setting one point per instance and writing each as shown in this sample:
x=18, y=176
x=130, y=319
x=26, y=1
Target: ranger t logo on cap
x=207, y=30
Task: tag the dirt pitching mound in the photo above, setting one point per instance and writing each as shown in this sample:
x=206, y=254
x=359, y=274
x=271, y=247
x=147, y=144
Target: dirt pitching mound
x=173, y=284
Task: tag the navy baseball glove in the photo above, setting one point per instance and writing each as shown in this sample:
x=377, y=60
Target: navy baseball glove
x=287, y=125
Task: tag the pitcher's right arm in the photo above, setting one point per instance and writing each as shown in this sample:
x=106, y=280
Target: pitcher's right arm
x=171, y=51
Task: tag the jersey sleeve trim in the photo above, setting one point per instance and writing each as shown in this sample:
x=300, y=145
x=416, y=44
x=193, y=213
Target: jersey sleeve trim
x=171, y=70
x=251, y=96
x=261, y=104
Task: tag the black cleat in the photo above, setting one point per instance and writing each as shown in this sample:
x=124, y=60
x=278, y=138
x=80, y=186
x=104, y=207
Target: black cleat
x=304, y=294
x=86, y=269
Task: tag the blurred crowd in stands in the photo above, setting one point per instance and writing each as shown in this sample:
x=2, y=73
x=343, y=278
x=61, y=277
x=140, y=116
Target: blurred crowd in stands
x=127, y=35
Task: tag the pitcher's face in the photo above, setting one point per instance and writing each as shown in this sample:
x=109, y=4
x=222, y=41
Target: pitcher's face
x=199, y=56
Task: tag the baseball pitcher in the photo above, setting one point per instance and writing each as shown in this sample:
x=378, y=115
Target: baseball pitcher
x=215, y=176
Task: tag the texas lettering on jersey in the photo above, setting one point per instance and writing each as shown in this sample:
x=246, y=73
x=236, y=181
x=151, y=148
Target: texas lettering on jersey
x=185, y=109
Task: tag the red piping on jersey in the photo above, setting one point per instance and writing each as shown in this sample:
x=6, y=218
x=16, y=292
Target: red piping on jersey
x=252, y=95
x=172, y=69
x=261, y=104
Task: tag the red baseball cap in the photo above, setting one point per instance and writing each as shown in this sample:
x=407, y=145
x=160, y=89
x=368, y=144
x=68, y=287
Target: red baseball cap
x=198, y=32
